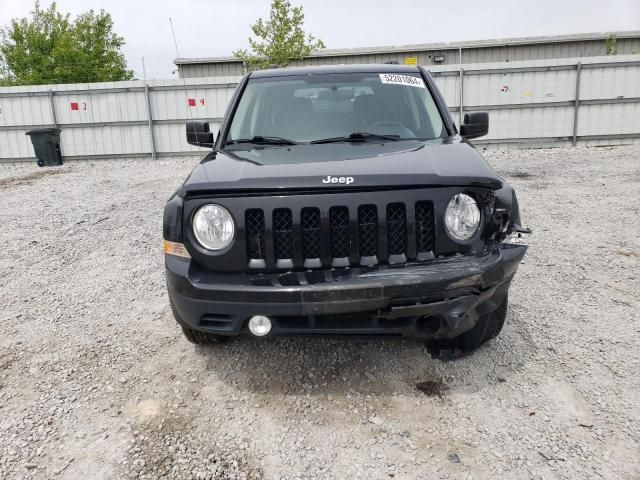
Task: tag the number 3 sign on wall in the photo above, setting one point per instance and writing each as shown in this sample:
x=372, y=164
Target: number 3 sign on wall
x=79, y=106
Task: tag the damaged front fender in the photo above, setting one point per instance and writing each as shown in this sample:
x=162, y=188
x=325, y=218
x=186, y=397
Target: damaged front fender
x=506, y=214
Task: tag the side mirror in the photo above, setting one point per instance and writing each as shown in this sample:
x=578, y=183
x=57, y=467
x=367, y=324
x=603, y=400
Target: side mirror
x=476, y=124
x=198, y=134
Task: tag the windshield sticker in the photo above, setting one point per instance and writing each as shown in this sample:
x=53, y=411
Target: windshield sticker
x=402, y=80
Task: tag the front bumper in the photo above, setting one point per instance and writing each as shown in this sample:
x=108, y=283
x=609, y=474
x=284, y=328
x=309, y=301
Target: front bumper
x=439, y=299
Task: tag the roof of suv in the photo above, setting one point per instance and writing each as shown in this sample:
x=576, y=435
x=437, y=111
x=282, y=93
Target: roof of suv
x=326, y=69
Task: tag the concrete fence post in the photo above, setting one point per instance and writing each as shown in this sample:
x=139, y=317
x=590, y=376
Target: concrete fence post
x=576, y=105
x=461, y=109
x=52, y=108
x=152, y=135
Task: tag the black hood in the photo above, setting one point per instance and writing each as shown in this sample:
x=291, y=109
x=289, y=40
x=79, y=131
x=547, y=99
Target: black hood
x=369, y=164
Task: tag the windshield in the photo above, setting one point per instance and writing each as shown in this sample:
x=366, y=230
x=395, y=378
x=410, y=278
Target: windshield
x=334, y=107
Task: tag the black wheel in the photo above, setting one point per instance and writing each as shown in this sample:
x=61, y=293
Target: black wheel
x=488, y=327
x=196, y=336
x=40, y=163
x=202, y=338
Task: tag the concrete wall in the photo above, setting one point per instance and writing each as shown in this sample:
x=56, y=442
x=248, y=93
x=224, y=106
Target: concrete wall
x=534, y=103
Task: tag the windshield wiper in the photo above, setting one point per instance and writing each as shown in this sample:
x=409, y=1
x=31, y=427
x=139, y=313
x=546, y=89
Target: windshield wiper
x=358, y=137
x=261, y=140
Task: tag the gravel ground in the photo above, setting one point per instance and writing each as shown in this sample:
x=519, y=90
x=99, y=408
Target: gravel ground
x=96, y=380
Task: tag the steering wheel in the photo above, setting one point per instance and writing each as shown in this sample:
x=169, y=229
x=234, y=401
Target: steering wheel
x=396, y=127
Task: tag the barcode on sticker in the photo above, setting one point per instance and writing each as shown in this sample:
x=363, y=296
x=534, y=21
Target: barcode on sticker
x=402, y=80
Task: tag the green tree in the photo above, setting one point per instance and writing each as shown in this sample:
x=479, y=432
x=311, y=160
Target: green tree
x=50, y=47
x=281, y=39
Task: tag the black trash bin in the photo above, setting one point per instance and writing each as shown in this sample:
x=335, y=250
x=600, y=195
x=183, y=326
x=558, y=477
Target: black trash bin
x=46, y=143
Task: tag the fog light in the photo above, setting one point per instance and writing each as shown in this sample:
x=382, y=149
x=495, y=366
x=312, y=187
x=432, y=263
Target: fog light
x=259, y=325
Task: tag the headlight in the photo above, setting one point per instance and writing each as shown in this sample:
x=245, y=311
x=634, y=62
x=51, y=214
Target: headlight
x=213, y=227
x=462, y=217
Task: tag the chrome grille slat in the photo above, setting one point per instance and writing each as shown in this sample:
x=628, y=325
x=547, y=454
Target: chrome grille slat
x=310, y=220
x=425, y=235
x=339, y=230
x=254, y=227
x=368, y=230
x=396, y=228
x=282, y=233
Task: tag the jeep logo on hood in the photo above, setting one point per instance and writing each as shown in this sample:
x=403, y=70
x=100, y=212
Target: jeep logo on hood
x=343, y=180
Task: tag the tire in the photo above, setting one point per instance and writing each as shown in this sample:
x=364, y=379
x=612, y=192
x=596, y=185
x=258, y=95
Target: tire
x=489, y=326
x=195, y=336
x=202, y=338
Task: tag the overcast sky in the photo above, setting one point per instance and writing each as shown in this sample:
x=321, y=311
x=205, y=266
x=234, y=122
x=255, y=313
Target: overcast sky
x=206, y=28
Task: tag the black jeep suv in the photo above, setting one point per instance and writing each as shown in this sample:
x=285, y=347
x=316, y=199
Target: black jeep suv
x=342, y=200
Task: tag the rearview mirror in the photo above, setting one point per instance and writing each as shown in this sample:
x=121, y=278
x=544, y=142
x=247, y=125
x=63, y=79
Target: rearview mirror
x=198, y=134
x=476, y=124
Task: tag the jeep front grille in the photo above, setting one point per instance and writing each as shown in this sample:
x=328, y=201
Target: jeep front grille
x=340, y=236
